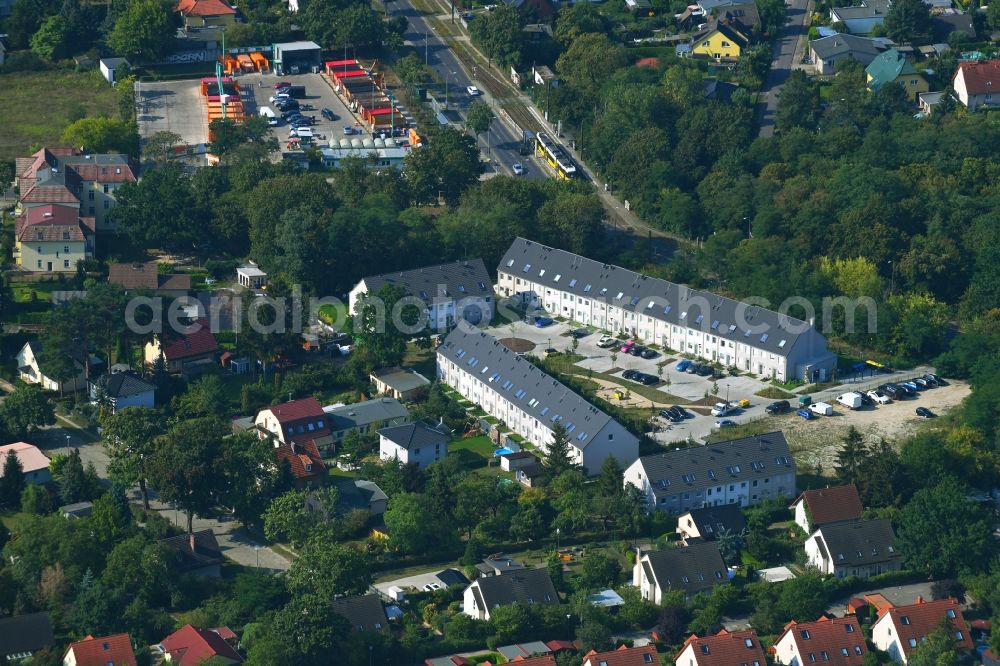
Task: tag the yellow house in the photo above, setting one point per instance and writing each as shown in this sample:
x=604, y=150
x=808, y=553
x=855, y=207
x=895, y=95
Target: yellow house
x=719, y=41
x=52, y=239
x=891, y=67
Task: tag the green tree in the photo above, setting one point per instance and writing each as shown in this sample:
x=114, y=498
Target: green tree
x=288, y=519
x=77, y=484
x=159, y=147
x=908, y=21
x=103, y=135
x=579, y=19
x=12, y=483
x=588, y=63
x=598, y=572
x=144, y=30
x=558, y=454
x=478, y=117
x=52, y=39
x=993, y=16
x=35, y=499
x=799, y=104
x=185, y=467
x=446, y=167
x=327, y=568
x=159, y=210
x=380, y=343
x=932, y=540
x=851, y=457
x=129, y=435
x=25, y=409
x=415, y=530
x=498, y=33
x=937, y=648
x=206, y=396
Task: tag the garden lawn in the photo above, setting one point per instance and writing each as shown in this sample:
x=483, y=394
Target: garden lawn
x=12, y=520
x=37, y=106
x=480, y=445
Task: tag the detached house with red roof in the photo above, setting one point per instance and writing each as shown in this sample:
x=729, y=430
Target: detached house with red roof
x=185, y=352
x=300, y=431
x=52, y=239
x=901, y=629
x=109, y=650
x=976, y=83
x=834, y=642
x=623, y=656
x=190, y=646
x=739, y=648
x=815, y=508
x=205, y=13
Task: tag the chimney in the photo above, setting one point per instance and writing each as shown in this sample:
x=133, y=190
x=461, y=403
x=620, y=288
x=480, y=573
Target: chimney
x=920, y=599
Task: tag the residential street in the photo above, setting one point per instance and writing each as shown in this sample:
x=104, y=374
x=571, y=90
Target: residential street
x=785, y=55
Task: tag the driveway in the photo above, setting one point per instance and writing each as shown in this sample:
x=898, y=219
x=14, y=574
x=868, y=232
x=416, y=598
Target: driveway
x=783, y=60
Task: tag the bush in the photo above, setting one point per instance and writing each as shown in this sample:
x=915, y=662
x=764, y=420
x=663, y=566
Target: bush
x=221, y=269
x=36, y=500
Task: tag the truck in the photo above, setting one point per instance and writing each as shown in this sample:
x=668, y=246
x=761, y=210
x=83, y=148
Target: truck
x=851, y=400
x=723, y=408
x=298, y=92
x=821, y=408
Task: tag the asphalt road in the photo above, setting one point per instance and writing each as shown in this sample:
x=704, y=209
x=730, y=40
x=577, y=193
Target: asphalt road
x=783, y=61
x=501, y=146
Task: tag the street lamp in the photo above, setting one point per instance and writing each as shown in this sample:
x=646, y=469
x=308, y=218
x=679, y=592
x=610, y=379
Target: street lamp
x=425, y=48
x=256, y=550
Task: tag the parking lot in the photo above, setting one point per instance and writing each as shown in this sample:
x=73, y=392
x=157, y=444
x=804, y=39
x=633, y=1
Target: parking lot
x=173, y=106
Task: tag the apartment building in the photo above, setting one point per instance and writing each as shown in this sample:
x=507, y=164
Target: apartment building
x=743, y=471
x=52, y=239
x=654, y=311
x=528, y=401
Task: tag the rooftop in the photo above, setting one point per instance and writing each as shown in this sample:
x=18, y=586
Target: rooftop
x=414, y=435
x=198, y=342
x=980, y=77
x=366, y=412
x=691, y=569
x=711, y=520
x=363, y=613
x=525, y=586
x=913, y=623
x=454, y=280
x=831, y=504
x=727, y=649
x=204, y=8
x=25, y=633
x=840, y=639
x=859, y=542
x=190, y=646
x=31, y=457
x=102, y=651
x=623, y=656
x=146, y=276
x=401, y=379
x=123, y=384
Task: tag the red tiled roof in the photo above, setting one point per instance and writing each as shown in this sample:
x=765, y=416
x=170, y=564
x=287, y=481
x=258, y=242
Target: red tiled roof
x=298, y=456
x=27, y=167
x=104, y=173
x=146, y=276
x=831, y=505
x=203, y=8
x=189, y=646
x=980, y=77
x=92, y=651
x=42, y=193
x=51, y=215
x=830, y=636
x=879, y=601
x=726, y=649
x=544, y=660
x=197, y=343
x=922, y=618
x=556, y=646
x=623, y=656
x=648, y=62
x=294, y=410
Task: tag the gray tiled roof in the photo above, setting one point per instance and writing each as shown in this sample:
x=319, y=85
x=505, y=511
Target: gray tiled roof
x=653, y=297
x=457, y=279
x=124, y=384
x=525, y=586
x=713, y=464
x=722, y=517
x=363, y=613
x=699, y=564
x=413, y=435
x=364, y=413
x=861, y=48
x=524, y=385
x=871, y=538
x=25, y=633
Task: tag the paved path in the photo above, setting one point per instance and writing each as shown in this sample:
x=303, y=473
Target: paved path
x=785, y=51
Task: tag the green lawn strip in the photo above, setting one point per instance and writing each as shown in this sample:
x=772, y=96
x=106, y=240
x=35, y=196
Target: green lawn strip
x=774, y=393
x=12, y=520
x=480, y=445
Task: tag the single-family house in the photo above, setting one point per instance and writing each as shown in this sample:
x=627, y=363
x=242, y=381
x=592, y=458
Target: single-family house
x=30, y=370
x=304, y=462
x=524, y=586
x=900, y=629
x=720, y=41
x=134, y=276
x=205, y=13
x=623, y=656
x=834, y=641
x=34, y=463
x=452, y=291
x=116, y=650
x=691, y=569
x=944, y=24
x=822, y=506
x=251, y=276
x=826, y=52
x=891, y=67
x=417, y=443
x=352, y=495
x=190, y=646
x=197, y=554
x=497, y=565
x=187, y=352
x=976, y=82
x=861, y=19
x=653, y=311
x=510, y=388
x=861, y=548
x=52, y=239
x=706, y=523
x=364, y=613
x=744, y=472
x=737, y=648
x=403, y=384
x=366, y=417
x=22, y=636
x=519, y=653
x=123, y=389
x=111, y=69
x=301, y=420
x=741, y=15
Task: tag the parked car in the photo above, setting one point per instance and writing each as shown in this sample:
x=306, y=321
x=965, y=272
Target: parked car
x=682, y=365
x=551, y=351
x=805, y=413
x=779, y=407
x=517, y=169
x=693, y=368
x=851, y=399
x=630, y=374
x=866, y=401
x=821, y=408
x=725, y=423
x=909, y=387
x=717, y=374
x=671, y=415
x=278, y=97
x=683, y=413
x=879, y=397
x=624, y=349
x=542, y=322
x=649, y=353
x=328, y=114
x=636, y=350
x=936, y=379
x=924, y=412
x=281, y=85
x=606, y=341
x=922, y=383
x=579, y=333
x=348, y=130
x=647, y=379
x=473, y=91
x=703, y=370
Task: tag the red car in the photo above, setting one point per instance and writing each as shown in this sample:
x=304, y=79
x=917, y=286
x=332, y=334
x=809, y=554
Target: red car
x=281, y=85
x=627, y=346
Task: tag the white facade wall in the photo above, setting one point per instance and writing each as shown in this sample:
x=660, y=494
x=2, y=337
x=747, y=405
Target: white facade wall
x=594, y=311
x=802, y=516
x=421, y=457
x=52, y=256
x=786, y=651
x=441, y=312
x=471, y=608
x=885, y=639
x=648, y=588
x=687, y=657
x=973, y=101
x=814, y=555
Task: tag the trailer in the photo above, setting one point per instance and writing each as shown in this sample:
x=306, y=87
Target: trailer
x=296, y=92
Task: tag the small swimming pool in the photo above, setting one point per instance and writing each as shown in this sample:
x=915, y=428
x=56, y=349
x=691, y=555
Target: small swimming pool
x=502, y=451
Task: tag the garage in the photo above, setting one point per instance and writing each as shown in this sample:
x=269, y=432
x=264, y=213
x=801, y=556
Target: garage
x=296, y=57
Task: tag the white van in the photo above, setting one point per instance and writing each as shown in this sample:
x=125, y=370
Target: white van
x=822, y=408
x=268, y=112
x=851, y=400
x=301, y=132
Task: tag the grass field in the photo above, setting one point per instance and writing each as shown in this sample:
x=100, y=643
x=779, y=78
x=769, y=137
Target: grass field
x=37, y=106
x=42, y=290
x=480, y=445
